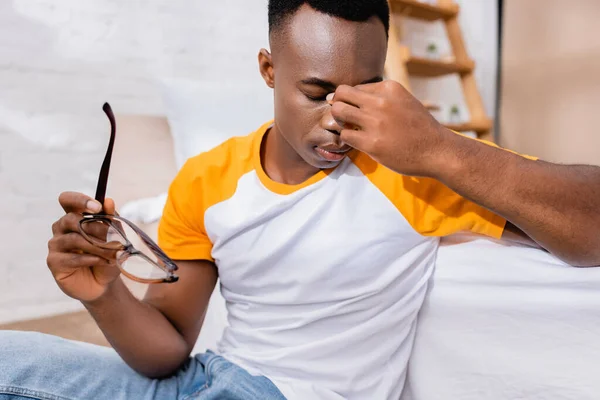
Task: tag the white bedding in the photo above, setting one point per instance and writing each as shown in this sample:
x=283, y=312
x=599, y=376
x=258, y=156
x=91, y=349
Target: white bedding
x=500, y=323
x=505, y=322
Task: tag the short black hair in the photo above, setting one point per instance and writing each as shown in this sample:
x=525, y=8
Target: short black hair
x=351, y=10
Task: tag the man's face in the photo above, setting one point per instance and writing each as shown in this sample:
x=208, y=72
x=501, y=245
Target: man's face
x=314, y=54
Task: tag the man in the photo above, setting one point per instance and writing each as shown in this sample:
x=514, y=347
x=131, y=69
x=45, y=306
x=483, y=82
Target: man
x=322, y=227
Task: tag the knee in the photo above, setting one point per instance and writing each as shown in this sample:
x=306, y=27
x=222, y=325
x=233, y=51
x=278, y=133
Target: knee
x=20, y=352
x=17, y=339
x=20, y=343
x=27, y=349
x=23, y=350
x=36, y=358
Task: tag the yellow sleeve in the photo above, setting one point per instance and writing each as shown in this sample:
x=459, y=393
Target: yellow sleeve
x=181, y=232
x=430, y=207
x=433, y=209
x=204, y=180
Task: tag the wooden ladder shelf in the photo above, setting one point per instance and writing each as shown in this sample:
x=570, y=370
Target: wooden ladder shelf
x=401, y=65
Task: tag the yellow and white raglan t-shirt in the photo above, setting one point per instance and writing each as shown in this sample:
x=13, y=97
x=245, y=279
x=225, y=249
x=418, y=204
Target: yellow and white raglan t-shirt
x=322, y=280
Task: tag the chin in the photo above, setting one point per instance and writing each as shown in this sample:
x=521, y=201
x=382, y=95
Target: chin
x=319, y=163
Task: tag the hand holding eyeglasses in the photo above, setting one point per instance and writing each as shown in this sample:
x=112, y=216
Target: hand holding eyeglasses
x=82, y=270
x=91, y=245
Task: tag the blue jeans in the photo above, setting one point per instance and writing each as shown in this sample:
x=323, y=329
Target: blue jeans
x=44, y=367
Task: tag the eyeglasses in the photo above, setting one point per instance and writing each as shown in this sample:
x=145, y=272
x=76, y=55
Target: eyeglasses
x=145, y=264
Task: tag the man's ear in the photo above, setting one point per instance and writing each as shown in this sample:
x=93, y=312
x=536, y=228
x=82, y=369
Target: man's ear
x=265, y=66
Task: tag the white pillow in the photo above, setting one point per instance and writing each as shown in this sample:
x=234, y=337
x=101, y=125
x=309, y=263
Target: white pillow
x=202, y=115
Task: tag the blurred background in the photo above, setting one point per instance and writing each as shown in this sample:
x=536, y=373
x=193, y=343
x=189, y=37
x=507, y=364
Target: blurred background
x=182, y=76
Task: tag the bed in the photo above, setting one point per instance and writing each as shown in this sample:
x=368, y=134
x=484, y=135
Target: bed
x=505, y=322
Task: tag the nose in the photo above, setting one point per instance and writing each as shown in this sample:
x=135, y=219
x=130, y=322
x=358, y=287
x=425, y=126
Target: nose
x=329, y=123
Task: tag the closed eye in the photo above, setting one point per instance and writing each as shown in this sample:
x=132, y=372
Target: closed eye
x=316, y=98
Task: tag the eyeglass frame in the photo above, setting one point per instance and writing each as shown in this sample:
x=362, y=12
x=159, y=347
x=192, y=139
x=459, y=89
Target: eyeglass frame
x=115, y=222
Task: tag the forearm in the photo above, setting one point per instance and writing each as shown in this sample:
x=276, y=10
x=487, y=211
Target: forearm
x=141, y=334
x=555, y=205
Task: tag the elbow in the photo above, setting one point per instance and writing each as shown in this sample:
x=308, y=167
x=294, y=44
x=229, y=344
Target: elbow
x=588, y=263
x=157, y=374
x=160, y=362
x=160, y=370
x=591, y=255
x=579, y=252
x=583, y=258
x=580, y=249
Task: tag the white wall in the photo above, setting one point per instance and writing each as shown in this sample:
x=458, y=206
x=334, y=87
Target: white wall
x=61, y=59
x=551, y=85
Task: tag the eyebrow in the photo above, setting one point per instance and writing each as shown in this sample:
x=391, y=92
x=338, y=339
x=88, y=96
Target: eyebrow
x=331, y=86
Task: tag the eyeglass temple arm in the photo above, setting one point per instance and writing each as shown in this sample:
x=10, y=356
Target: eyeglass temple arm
x=103, y=178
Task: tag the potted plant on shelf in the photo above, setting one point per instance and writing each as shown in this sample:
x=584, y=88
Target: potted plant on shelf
x=454, y=117
x=432, y=51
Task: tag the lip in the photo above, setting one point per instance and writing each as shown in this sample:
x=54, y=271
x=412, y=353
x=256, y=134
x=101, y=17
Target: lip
x=331, y=153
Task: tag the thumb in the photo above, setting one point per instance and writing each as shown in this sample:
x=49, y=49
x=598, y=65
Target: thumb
x=109, y=206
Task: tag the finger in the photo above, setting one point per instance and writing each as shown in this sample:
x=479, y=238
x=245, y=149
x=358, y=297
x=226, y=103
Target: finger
x=95, y=229
x=109, y=206
x=67, y=223
x=75, y=243
x=387, y=87
x=355, y=138
x=78, y=203
x=353, y=96
x=348, y=116
x=373, y=88
x=71, y=222
x=61, y=261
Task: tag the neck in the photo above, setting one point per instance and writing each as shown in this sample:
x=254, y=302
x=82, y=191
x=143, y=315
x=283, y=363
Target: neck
x=281, y=162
